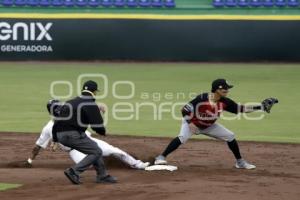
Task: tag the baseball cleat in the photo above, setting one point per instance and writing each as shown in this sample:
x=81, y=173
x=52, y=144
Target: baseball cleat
x=72, y=176
x=141, y=165
x=160, y=160
x=243, y=164
x=106, y=179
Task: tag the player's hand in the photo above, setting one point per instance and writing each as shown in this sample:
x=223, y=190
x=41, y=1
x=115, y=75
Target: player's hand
x=268, y=103
x=193, y=128
x=27, y=163
x=102, y=108
x=54, y=146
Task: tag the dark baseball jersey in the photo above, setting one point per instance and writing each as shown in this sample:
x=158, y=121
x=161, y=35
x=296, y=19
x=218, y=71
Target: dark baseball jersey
x=203, y=113
x=77, y=114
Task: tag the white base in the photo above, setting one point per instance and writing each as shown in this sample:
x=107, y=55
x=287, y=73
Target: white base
x=161, y=167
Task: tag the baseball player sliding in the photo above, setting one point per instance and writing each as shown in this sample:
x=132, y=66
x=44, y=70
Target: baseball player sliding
x=200, y=115
x=45, y=137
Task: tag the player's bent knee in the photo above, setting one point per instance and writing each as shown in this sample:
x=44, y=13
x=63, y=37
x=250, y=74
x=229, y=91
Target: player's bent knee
x=182, y=139
x=230, y=137
x=98, y=152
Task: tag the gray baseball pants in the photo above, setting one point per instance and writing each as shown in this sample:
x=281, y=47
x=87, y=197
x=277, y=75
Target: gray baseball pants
x=84, y=144
x=216, y=131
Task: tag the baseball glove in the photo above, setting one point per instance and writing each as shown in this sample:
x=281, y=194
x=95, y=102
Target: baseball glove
x=268, y=104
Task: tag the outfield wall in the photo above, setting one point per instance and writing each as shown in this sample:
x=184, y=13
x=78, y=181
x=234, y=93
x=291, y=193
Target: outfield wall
x=146, y=39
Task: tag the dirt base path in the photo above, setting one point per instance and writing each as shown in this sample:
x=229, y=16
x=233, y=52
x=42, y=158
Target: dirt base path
x=205, y=172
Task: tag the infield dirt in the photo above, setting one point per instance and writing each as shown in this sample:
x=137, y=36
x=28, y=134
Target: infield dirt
x=205, y=172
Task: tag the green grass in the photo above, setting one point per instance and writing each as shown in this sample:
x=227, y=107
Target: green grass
x=25, y=87
x=6, y=186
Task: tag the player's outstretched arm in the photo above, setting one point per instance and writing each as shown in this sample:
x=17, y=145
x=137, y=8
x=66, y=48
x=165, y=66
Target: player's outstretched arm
x=266, y=105
x=34, y=153
x=251, y=108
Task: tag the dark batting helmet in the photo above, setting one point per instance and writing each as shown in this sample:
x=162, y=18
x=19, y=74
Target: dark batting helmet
x=53, y=107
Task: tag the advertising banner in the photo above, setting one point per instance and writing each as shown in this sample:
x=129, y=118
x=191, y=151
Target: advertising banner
x=149, y=40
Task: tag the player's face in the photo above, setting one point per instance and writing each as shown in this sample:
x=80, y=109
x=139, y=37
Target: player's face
x=222, y=92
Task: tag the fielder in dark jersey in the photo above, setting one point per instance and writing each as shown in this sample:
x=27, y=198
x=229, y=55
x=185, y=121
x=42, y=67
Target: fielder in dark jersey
x=203, y=113
x=200, y=115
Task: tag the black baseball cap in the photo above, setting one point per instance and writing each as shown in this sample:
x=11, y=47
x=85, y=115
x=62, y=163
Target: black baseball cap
x=90, y=86
x=220, y=84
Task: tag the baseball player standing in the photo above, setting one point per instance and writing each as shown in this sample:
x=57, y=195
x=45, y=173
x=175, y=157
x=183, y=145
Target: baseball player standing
x=69, y=129
x=200, y=115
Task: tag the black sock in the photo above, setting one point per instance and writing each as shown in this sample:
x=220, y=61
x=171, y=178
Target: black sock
x=174, y=144
x=234, y=147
